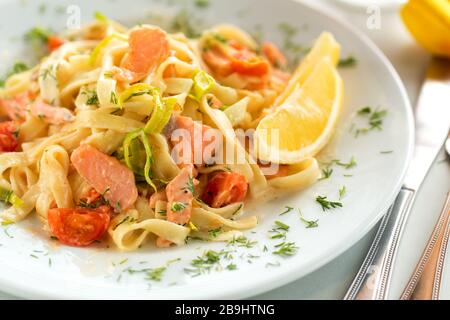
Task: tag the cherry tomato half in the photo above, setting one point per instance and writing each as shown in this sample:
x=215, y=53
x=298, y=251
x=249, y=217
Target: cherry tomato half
x=54, y=43
x=225, y=188
x=8, y=136
x=79, y=227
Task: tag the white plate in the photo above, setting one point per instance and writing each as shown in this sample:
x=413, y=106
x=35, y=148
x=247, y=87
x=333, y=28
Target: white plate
x=95, y=273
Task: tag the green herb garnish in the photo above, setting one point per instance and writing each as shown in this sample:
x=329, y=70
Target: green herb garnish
x=215, y=232
x=326, y=173
x=310, y=223
x=190, y=185
x=184, y=22
x=347, y=165
x=231, y=267
x=328, y=205
x=242, y=242
x=375, y=118
x=351, y=164
x=156, y=273
x=288, y=209
x=178, y=206
x=127, y=219
x=48, y=73
x=281, y=226
x=206, y=262
x=202, y=3
x=18, y=67
x=285, y=249
x=365, y=110
x=279, y=231
x=93, y=99
x=350, y=61
x=38, y=34
x=342, y=192
x=294, y=50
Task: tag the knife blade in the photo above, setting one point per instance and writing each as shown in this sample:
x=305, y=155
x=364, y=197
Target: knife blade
x=432, y=121
x=432, y=118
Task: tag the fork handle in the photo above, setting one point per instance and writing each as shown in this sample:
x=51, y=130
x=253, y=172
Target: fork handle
x=425, y=282
x=373, y=279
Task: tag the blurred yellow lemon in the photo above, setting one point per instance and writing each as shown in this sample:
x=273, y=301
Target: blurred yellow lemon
x=305, y=122
x=429, y=22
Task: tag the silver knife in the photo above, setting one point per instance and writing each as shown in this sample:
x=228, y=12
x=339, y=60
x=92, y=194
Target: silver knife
x=432, y=126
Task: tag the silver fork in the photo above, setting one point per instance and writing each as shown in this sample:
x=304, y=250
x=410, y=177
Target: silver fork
x=426, y=281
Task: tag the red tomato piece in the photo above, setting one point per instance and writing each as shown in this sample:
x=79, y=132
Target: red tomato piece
x=54, y=42
x=79, y=227
x=218, y=61
x=225, y=188
x=8, y=136
x=234, y=57
x=256, y=67
x=274, y=54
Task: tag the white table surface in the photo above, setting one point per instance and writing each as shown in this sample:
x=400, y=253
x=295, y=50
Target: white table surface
x=332, y=280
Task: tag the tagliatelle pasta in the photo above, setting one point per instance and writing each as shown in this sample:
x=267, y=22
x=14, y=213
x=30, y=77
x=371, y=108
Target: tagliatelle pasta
x=143, y=135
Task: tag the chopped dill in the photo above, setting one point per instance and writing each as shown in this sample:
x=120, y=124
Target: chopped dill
x=231, y=267
x=18, y=67
x=215, y=232
x=309, y=223
x=342, y=192
x=326, y=204
x=127, y=219
x=375, y=119
x=156, y=274
x=205, y=263
x=285, y=249
x=202, y=3
x=326, y=173
x=93, y=98
x=178, y=206
x=288, y=209
x=242, y=242
x=190, y=185
x=279, y=230
x=350, y=61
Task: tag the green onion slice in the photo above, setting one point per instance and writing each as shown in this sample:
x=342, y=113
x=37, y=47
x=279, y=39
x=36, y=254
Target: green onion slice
x=135, y=90
x=103, y=44
x=203, y=84
x=9, y=197
x=138, y=155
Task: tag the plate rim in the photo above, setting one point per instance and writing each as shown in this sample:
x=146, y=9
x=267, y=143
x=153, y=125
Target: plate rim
x=256, y=288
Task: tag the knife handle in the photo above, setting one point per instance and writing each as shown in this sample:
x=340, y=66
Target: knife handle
x=373, y=279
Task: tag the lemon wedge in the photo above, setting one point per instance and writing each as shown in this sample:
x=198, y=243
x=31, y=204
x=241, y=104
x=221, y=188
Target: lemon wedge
x=325, y=46
x=305, y=122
